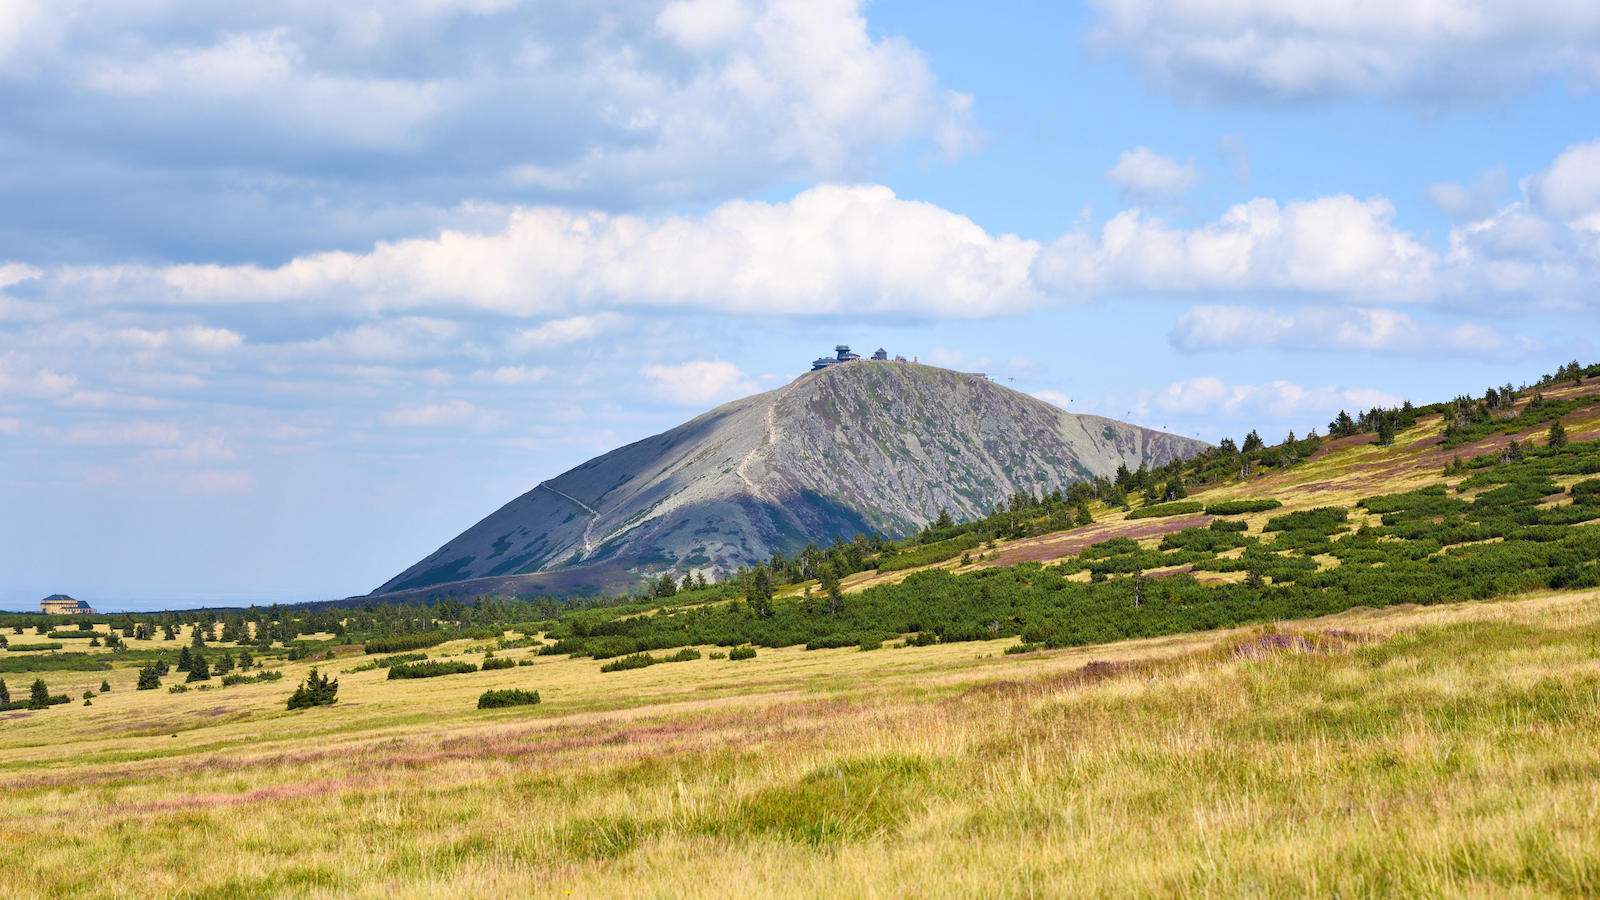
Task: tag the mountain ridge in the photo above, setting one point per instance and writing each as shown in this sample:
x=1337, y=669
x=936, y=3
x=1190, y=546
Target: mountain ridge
x=860, y=447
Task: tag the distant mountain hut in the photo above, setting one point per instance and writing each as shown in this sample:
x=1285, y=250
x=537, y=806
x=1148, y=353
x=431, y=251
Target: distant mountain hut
x=62, y=605
x=842, y=354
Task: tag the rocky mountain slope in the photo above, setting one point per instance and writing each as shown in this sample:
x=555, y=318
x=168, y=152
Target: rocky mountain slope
x=857, y=447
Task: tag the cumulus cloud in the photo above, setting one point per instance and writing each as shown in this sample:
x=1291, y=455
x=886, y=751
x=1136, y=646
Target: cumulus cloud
x=213, y=482
x=343, y=115
x=699, y=382
x=1290, y=51
x=1211, y=396
x=571, y=330
x=1056, y=398
x=832, y=249
x=1471, y=201
x=513, y=376
x=1209, y=327
x=452, y=412
x=1335, y=245
x=1570, y=187
x=132, y=433
x=1143, y=174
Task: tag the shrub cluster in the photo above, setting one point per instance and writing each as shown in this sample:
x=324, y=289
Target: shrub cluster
x=395, y=643
x=1162, y=510
x=1240, y=507
x=742, y=653
x=509, y=697
x=490, y=663
x=317, y=691
x=430, y=669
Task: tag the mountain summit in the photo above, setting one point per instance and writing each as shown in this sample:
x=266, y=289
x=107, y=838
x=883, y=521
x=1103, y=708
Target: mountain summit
x=863, y=446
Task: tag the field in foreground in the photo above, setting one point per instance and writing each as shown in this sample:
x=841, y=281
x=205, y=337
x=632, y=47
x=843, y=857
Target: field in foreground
x=1442, y=750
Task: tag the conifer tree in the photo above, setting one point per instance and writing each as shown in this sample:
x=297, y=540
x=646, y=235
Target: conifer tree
x=105, y=686
x=5, y=692
x=148, y=679
x=38, y=695
x=1558, y=435
x=199, y=670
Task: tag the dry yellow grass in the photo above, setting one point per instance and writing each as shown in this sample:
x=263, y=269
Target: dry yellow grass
x=1444, y=750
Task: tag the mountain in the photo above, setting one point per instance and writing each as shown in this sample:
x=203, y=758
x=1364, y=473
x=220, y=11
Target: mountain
x=857, y=447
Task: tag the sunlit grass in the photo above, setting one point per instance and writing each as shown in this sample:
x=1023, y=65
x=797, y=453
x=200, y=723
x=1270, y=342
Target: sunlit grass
x=1442, y=750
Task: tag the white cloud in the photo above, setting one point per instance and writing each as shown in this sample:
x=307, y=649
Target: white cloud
x=209, y=448
x=1056, y=398
x=570, y=330
x=690, y=98
x=513, y=376
x=15, y=273
x=1211, y=396
x=1143, y=174
x=956, y=358
x=1336, y=246
x=832, y=249
x=453, y=412
x=1570, y=188
x=700, y=382
x=10, y=425
x=404, y=338
x=702, y=25
x=213, y=482
x=1474, y=201
x=132, y=433
x=1340, y=329
x=1289, y=51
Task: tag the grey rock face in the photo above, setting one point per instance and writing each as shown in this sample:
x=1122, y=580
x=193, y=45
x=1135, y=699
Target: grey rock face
x=857, y=447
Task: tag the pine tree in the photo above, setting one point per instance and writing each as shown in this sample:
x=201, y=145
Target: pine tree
x=1385, y=431
x=185, y=659
x=1084, y=518
x=198, y=669
x=317, y=691
x=148, y=679
x=5, y=693
x=1252, y=441
x=245, y=659
x=1558, y=435
x=105, y=686
x=38, y=695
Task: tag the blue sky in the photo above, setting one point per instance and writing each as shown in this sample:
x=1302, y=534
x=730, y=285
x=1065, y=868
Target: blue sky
x=292, y=293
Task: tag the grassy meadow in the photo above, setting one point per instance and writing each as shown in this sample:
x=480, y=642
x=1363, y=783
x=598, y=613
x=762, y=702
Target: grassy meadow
x=1389, y=749
x=1451, y=749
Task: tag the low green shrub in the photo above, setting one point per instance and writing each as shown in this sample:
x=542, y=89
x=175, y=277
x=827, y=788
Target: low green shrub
x=317, y=691
x=1162, y=510
x=624, y=663
x=509, y=697
x=395, y=643
x=20, y=648
x=491, y=663
x=1240, y=507
x=746, y=652
x=433, y=668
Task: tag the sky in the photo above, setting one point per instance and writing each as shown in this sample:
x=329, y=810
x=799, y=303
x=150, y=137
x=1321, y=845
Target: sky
x=293, y=292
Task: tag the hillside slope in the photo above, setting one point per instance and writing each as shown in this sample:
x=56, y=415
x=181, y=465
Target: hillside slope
x=869, y=446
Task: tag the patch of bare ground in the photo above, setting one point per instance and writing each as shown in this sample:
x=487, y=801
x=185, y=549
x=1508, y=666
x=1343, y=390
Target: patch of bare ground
x=1071, y=543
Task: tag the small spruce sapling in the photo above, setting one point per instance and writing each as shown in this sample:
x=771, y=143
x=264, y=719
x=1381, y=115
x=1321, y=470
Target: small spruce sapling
x=38, y=695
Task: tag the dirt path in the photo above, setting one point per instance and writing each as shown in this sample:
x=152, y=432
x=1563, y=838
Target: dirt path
x=594, y=515
x=772, y=438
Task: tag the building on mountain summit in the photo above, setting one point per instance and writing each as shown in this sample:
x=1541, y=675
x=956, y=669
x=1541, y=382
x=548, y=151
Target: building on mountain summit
x=61, y=604
x=842, y=354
